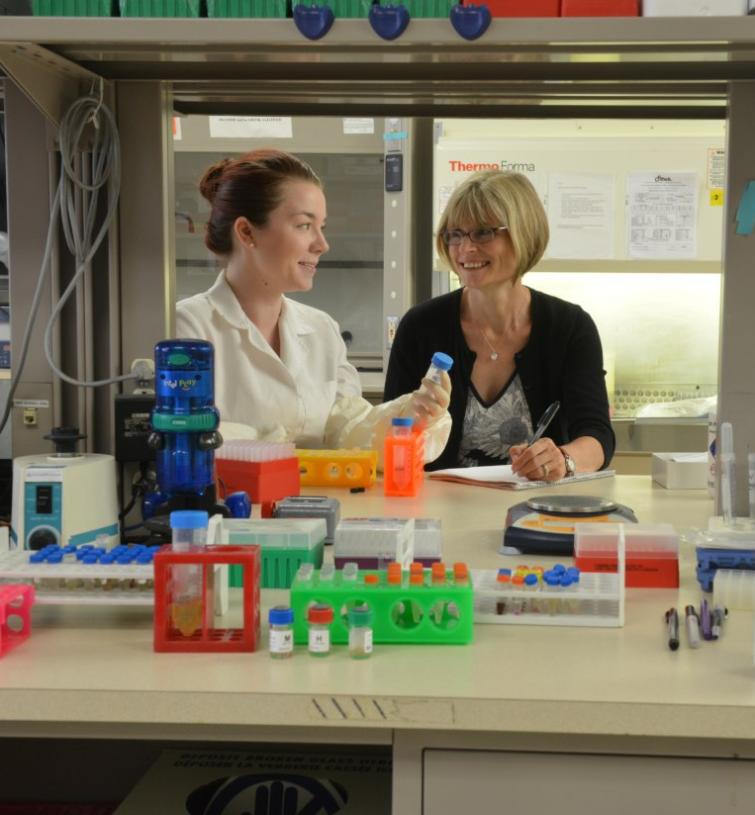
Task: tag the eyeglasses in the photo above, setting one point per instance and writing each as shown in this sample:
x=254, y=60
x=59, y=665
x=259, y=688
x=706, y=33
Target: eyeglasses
x=485, y=234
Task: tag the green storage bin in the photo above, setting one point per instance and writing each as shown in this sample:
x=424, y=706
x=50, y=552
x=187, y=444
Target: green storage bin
x=342, y=9
x=419, y=9
x=247, y=8
x=285, y=544
x=74, y=8
x=160, y=8
x=345, y=9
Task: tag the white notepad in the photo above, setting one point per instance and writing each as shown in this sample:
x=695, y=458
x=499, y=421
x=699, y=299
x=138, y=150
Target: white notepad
x=502, y=477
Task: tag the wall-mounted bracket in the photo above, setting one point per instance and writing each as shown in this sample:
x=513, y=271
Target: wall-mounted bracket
x=50, y=81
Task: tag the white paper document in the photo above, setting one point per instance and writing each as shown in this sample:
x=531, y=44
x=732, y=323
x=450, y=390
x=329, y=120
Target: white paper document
x=502, y=477
x=662, y=215
x=363, y=125
x=251, y=127
x=581, y=215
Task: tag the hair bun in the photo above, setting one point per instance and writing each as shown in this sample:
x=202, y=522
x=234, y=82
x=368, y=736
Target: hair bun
x=210, y=181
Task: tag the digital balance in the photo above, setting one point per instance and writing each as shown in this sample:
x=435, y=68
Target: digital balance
x=545, y=525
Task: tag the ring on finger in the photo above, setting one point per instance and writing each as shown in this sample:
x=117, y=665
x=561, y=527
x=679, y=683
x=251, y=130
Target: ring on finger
x=546, y=470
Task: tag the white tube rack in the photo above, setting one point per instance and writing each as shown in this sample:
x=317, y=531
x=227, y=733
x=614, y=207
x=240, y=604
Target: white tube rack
x=76, y=583
x=597, y=600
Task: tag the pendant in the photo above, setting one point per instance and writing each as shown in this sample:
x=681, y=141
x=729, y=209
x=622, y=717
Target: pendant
x=494, y=356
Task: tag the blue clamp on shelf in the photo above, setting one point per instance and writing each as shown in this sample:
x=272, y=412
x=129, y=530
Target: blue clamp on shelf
x=389, y=22
x=313, y=21
x=470, y=22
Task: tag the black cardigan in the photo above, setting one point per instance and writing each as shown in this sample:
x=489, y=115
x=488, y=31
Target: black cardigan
x=562, y=360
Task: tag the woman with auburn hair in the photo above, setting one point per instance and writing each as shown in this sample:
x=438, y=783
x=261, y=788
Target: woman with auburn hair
x=516, y=350
x=281, y=370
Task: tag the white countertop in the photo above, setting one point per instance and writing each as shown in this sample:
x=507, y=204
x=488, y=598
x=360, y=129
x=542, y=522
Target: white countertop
x=90, y=668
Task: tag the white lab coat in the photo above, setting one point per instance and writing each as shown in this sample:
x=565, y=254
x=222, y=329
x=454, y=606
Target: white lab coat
x=310, y=395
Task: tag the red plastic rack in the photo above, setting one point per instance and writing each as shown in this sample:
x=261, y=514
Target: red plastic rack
x=207, y=638
x=16, y=600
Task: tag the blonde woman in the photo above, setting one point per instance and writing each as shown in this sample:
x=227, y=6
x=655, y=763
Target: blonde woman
x=516, y=350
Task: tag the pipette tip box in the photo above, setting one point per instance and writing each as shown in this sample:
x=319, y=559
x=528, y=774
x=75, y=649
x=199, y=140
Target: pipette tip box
x=652, y=552
x=372, y=543
x=286, y=544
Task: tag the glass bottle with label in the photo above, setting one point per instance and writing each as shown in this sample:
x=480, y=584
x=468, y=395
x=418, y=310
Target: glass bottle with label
x=281, y=641
x=320, y=618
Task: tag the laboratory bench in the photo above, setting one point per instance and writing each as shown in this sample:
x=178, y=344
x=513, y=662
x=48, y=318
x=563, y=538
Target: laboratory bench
x=518, y=702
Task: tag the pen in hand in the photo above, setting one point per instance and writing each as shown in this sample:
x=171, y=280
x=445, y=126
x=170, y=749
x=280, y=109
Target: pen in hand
x=545, y=420
x=672, y=625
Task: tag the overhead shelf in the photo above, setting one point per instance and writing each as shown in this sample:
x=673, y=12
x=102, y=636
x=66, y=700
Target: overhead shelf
x=516, y=65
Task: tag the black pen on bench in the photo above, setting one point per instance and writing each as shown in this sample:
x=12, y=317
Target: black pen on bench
x=672, y=625
x=545, y=420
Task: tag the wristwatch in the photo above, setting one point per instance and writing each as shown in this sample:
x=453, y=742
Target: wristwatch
x=571, y=466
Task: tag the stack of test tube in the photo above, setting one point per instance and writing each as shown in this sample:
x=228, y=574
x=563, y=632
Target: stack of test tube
x=559, y=595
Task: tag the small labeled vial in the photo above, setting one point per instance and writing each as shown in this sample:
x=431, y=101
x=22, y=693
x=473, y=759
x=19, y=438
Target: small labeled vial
x=281, y=641
x=360, y=632
x=320, y=618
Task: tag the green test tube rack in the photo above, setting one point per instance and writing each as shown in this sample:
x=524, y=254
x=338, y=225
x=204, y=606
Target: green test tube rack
x=433, y=613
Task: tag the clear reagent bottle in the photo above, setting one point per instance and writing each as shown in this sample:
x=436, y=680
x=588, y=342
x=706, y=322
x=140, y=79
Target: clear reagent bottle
x=360, y=632
x=281, y=641
x=440, y=362
x=188, y=530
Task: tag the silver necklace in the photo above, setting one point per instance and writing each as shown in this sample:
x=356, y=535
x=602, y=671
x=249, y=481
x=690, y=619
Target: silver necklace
x=493, y=352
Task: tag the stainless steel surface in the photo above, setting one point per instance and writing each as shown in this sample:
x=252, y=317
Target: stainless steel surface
x=571, y=504
x=660, y=435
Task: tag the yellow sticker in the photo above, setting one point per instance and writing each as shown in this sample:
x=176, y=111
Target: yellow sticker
x=717, y=198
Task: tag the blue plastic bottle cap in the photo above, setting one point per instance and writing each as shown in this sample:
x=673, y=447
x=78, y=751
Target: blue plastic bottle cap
x=55, y=557
x=281, y=615
x=189, y=519
x=442, y=361
x=551, y=579
x=504, y=571
x=531, y=580
x=402, y=421
x=558, y=569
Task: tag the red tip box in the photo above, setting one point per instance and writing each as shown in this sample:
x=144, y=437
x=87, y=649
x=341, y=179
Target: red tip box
x=265, y=482
x=651, y=553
